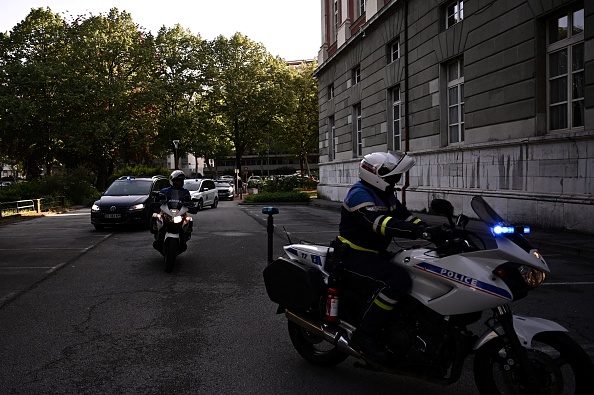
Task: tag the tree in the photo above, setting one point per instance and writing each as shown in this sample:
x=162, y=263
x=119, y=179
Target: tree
x=32, y=73
x=245, y=90
x=300, y=124
x=179, y=86
x=107, y=100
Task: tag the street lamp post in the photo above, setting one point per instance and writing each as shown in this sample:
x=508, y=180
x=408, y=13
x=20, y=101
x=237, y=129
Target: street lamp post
x=175, y=159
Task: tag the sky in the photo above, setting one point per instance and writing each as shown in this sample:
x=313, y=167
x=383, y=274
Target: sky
x=289, y=29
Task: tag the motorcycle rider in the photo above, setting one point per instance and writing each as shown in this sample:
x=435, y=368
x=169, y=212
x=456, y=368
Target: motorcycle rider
x=371, y=215
x=176, y=179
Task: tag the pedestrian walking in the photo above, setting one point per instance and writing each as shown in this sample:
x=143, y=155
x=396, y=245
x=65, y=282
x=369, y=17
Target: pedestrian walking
x=239, y=187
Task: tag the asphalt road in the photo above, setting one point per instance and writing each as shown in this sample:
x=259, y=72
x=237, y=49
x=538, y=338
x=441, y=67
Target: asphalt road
x=88, y=312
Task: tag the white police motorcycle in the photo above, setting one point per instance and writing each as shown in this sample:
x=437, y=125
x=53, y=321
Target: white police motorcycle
x=428, y=334
x=172, y=226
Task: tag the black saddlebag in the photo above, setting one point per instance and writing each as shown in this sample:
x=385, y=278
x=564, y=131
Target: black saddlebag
x=293, y=285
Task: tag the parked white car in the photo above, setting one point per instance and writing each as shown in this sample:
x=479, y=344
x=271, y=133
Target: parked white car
x=204, y=190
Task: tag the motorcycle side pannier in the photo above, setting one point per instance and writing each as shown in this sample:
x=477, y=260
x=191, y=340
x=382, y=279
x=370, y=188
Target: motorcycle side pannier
x=293, y=285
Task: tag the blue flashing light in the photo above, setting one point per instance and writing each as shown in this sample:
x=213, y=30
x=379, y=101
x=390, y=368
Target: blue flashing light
x=501, y=230
x=270, y=210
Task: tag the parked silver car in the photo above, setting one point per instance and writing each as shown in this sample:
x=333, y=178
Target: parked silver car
x=225, y=189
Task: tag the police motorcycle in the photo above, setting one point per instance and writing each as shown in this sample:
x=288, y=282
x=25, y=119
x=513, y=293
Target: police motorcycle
x=172, y=225
x=455, y=281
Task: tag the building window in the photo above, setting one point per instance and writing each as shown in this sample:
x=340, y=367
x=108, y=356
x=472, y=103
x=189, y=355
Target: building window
x=455, y=71
x=335, y=20
x=361, y=7
x=356, y=75
x=454, y=12
x=393, y=51
x=394, y=114
x=565, y=70
x=332, y=139
x=330, y=91
x=358, y=130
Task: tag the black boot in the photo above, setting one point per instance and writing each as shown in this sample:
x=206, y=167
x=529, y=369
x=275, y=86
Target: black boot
x=366, y=344
x=373, y=319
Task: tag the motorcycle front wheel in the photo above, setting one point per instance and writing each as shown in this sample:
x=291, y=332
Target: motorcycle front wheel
x=171, y=249
x=561, y=365
x=314, y=349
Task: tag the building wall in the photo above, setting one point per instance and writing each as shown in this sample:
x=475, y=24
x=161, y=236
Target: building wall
x=508, y=154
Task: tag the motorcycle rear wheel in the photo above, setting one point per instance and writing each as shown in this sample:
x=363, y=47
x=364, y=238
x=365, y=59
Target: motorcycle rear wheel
x=562, y=366
x=313, y=348
x=171, y=249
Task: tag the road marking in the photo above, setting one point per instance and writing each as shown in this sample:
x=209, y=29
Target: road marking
x=72, y=215
x=44, y=249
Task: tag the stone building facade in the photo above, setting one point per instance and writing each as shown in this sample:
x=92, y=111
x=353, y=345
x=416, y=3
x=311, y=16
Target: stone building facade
x=491, y=97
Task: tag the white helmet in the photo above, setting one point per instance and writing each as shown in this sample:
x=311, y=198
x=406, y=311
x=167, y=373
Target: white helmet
x=176, y=174
x=384, y=169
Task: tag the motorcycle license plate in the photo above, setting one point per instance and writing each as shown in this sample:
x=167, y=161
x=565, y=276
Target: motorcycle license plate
x=113, y=215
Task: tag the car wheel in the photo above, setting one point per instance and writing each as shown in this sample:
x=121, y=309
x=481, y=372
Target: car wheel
x=200, y=205
x=215, y=203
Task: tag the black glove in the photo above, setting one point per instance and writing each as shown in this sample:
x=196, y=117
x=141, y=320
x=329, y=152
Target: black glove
x=419, y=222
x=436, y=234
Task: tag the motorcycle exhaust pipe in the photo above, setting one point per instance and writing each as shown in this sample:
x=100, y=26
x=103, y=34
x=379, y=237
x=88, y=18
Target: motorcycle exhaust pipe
x=330, y=335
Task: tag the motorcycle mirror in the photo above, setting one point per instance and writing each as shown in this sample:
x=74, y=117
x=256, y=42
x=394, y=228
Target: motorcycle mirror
x=442, y=207
x=462, y=221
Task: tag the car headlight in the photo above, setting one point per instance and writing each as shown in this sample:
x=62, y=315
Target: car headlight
x=230, y=189
x=533, y=277
x=137, y=207
x=95, y=207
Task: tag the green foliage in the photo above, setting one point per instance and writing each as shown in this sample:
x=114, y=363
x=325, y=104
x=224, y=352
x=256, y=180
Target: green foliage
x=140, y=171
x=291, y=183
x=275, y=197
x=100, y=91
x=20, y=191
x=247, y=92
x=75, y=185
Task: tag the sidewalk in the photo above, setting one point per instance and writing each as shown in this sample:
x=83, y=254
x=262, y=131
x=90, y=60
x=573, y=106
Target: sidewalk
x=561, y=242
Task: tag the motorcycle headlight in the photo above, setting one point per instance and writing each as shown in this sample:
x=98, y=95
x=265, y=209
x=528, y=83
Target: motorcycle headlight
x=178, y=219
x=137, y=207
x=533, y=277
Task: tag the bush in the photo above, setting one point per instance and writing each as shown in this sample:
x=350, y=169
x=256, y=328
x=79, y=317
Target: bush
x=74, y=184
x=275, y=197
x=139, y=171
x=291, y=183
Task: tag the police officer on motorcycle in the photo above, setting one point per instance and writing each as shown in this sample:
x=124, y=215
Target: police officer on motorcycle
x=176, y=179
x=371, y=215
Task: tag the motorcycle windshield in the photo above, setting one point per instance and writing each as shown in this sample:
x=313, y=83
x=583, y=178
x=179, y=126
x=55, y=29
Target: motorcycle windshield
x=488, y=215
x=486, y=212
x=174, y=199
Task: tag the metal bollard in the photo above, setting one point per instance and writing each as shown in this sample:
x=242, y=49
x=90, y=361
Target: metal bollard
x=270, y=211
